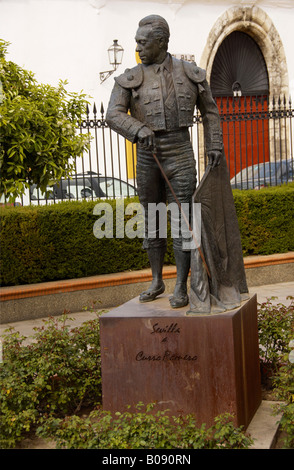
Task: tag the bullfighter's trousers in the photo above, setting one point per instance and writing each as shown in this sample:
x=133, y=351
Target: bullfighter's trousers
x=175, y=154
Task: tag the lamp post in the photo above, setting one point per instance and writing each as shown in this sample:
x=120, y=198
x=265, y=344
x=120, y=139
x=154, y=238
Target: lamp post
x=115, y=55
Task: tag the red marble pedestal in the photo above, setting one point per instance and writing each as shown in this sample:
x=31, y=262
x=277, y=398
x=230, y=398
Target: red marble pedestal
x=204, y=364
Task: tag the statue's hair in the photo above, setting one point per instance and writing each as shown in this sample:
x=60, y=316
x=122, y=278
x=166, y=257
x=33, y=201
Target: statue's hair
x=160, y=28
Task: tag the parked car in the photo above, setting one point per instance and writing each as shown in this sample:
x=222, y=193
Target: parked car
x=264, y=174
x=85, y=186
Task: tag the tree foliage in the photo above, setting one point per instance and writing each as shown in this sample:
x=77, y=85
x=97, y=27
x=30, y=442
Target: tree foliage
x=38, y=138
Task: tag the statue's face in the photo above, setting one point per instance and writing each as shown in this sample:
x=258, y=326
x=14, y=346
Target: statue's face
x=149, y=48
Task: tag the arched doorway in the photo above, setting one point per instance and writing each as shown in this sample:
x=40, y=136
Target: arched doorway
x=240, y=85
x=256, y=23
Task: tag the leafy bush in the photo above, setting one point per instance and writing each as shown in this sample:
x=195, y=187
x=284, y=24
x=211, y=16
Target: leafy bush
x=275, y=326
x=276, y=330
x=284, y=389
x=143, y=430
x=38, y=130
x=44, y=383
x=56, y=374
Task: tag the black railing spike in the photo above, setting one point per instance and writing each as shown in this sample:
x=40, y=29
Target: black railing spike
x=102, y=110
x=87, y=110
x=94, y=109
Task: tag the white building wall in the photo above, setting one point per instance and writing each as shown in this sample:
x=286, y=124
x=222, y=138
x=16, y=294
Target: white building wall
x=68, y=39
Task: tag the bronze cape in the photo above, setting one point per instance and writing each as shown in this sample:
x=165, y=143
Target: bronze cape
x=220, y=243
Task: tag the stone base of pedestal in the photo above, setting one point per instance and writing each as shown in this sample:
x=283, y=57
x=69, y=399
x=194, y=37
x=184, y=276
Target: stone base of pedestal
x=206, y=365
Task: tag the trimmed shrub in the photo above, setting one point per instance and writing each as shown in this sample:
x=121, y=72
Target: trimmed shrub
x=266, y=219
x=54, y=242
x=48, y=243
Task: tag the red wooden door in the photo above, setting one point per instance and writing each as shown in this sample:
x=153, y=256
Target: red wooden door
x=245, y=131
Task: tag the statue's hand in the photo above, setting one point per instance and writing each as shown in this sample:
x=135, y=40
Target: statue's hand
x=146, y=138
x=214, y=158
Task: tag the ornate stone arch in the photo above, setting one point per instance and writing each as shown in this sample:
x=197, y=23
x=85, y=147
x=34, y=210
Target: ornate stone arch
x=256, y=23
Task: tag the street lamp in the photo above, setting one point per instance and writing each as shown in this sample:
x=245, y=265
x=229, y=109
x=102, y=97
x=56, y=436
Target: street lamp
x=115, y=54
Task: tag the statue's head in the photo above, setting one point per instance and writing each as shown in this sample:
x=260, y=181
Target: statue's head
x=152, y=39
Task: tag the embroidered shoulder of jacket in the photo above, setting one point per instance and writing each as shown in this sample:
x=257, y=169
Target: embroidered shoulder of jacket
x=131, y=78
x=195, y=73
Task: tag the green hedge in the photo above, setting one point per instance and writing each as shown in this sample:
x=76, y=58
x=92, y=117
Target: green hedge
x=54, y=242
x=48, y=243
x=266, y=219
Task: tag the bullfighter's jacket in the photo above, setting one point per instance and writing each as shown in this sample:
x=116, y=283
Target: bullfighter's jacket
x=137, y=101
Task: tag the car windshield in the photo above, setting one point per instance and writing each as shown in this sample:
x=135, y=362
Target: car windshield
x=255, y=172
x=83, y=187
x=116, y=188
x=269, y=170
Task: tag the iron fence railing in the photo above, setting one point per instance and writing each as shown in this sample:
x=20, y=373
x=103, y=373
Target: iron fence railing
x=258, y=140
x=258, y=143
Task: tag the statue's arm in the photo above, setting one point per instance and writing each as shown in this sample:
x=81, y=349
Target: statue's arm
x=117, y=116
x=211, y=119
